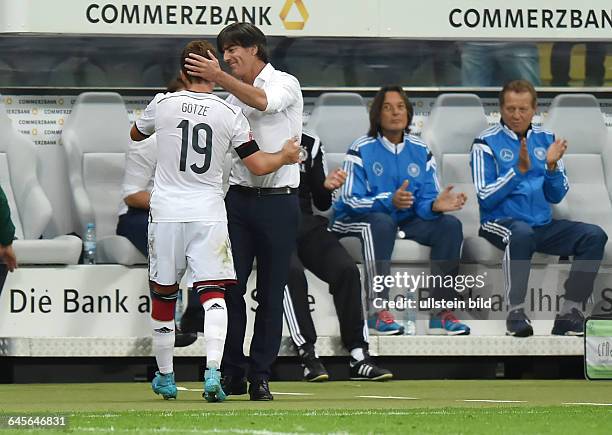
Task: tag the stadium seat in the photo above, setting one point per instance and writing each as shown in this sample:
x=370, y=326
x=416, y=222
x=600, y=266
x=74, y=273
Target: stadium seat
x=30, y=208
x=332, y=113
x=338, y=118
x=95, y=138
x=588, y=161
x=455, y=120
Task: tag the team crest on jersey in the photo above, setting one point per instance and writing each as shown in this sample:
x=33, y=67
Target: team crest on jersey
x=414, y=170
x=506, y=155
x=540, y=153
x=377, y=167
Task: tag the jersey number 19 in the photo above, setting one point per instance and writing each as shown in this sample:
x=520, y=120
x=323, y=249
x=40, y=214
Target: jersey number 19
x=207, y=150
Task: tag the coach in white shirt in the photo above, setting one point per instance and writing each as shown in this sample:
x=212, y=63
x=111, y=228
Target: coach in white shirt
x=263, y=211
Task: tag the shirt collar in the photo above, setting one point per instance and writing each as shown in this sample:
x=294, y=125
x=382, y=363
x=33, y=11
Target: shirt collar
x=393, y=148
x=511, y=133
x=265, y=74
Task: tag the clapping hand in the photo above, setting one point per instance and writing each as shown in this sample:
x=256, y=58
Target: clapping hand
x=524, y=163
x=448, y=200
x=555, y=152
x=335, y=179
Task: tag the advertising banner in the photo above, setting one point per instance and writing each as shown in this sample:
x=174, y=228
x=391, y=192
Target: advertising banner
x=444, y=19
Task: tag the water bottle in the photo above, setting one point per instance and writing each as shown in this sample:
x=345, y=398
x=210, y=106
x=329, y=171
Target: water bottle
x=178, y=311
x=89, y=244
x=407, y=316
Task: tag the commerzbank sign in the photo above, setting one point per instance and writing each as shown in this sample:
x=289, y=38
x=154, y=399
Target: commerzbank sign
x=441, y=19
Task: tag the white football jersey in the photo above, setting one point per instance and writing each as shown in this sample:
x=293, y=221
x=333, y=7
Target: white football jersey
x=194, y=132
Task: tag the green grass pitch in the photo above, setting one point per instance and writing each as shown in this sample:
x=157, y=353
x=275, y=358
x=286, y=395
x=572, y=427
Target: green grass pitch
x=447, y=407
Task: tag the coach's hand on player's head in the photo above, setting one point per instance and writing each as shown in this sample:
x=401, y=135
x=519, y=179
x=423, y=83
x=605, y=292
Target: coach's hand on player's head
x=199, y=66
x=291, y=151
x=335, y=179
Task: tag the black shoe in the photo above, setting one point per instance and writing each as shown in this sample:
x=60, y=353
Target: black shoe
x=366, y=370
x=571, y=323
x=260, y=390
x=184, y=339
x=518, y=324
x=234, y=385
x=314, y=371
x=193, y=320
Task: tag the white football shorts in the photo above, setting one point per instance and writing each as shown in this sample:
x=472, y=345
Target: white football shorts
x=202, y=247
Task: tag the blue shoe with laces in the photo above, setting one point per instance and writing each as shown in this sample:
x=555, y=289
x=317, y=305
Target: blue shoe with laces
x=164, y=384
x=213, y=392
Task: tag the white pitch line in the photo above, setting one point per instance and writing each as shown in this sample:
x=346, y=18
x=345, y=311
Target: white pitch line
x=492, y=401
x=389, y=397
x=587, y=403
x=273, y=392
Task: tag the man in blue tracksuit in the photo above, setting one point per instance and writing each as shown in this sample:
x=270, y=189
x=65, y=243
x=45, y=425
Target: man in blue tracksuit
x=392, y=185
x=518, y=173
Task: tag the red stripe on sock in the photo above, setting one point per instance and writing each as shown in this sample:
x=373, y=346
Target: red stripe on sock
x=162, y=310
x=210, y=295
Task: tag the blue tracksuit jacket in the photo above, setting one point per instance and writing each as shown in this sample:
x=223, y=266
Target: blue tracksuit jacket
x=503, y=192
x=377, y=168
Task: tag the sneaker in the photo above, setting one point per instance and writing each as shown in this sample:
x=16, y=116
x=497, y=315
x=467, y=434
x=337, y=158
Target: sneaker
x=314, y=371
x=366, y=370
x=518, y=324
x=445, y=323
x=571, y=323
x=164, y=385
x=212, y=386
x=383, y=323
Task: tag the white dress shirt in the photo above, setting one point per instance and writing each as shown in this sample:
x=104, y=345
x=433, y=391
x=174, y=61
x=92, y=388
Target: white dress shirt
x=281, y=120
x=139, y=169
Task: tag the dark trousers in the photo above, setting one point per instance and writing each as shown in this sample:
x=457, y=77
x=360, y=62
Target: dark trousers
x=595, y=60
x=265, y=228
x=320, y=252
x=519, y=240
x=134, y=225
x=3, y=273
x=378, y=232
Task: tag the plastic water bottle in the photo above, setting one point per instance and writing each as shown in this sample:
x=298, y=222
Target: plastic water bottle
x=407, y=317
x=89, y=244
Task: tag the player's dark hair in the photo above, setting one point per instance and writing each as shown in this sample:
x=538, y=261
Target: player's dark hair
x=376, y=109
x=198, y=47
x=175, y=85
x=518, y=86
x=243, y=35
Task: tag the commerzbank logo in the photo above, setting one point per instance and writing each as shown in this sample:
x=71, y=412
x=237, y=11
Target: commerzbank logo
x=284, y=13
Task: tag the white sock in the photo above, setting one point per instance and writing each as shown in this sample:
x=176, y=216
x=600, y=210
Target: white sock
x=357, y=354
x=163, y=344
x=215, y=330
